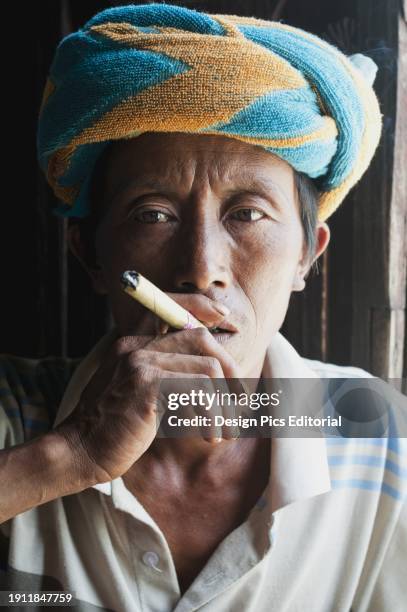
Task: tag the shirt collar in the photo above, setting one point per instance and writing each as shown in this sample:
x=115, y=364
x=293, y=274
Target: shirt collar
x=299, y=466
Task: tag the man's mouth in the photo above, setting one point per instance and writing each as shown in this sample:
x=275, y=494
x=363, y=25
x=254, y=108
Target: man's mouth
x=219, y=330
x=223, y=328
x=221, y=335
x=223, y=331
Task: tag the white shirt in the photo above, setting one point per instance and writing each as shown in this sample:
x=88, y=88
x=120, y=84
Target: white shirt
x=329, y=533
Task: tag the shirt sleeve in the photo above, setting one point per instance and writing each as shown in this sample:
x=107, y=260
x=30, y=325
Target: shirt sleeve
x=30, y=393
x=11, y=425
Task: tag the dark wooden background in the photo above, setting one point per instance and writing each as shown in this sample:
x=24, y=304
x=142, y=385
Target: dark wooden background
x=352, y=312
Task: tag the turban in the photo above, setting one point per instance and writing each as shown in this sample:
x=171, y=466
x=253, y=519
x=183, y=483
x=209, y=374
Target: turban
x=163, y=68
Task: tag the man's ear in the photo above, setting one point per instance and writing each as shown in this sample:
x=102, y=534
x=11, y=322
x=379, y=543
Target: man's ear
x=78, y=249
x=323, y=235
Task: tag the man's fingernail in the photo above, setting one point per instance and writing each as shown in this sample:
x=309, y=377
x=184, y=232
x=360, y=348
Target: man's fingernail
x=213, y=440
x=164, y=327
x=224, y=310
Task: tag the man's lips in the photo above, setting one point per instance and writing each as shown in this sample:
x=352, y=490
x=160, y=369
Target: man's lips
x=224, y=326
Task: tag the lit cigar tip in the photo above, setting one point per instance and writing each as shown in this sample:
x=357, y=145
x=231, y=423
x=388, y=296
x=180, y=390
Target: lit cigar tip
x=130, y=278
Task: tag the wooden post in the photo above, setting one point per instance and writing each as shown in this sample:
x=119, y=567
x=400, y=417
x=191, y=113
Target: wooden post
x=380, y=216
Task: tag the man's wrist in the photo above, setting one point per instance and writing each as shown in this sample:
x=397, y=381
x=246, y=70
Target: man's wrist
x=70, y=469
x=39, y=471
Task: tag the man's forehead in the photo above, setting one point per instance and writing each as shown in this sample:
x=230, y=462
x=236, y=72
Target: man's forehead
x=165, y=162
x=247, y=180
x=200, y=143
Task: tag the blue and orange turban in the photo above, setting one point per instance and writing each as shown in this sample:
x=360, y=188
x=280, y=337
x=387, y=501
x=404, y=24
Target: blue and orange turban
x=163, y=68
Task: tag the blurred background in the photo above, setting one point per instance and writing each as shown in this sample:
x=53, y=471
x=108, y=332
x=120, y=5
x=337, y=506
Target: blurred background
x=352, y=312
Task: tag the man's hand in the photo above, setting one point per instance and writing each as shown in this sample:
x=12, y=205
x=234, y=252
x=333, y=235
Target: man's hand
x=116, y=419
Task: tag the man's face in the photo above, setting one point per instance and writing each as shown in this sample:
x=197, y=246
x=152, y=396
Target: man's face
x=207, y=215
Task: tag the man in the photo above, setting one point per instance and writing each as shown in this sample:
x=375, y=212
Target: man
x=181, y=145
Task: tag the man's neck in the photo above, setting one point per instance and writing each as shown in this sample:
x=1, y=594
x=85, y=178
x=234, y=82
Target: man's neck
x=174, y=465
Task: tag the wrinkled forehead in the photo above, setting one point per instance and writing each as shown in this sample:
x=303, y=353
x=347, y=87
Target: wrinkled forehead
x=182, y=161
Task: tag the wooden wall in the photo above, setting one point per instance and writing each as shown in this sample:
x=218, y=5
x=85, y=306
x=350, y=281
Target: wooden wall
x=352, y=312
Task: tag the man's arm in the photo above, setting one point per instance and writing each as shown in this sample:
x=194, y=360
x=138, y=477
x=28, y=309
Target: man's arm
x=115, y=420
x=39, y=471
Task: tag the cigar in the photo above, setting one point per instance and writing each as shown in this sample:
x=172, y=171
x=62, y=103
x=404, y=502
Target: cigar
x=150, y=296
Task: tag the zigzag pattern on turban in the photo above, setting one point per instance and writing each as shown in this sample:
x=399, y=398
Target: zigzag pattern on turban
x=163, y=68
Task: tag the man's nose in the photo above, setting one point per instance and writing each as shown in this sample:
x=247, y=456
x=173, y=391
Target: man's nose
x=203, y=258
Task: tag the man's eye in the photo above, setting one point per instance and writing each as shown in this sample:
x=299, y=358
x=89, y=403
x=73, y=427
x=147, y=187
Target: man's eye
x=247, y=214
x=151, y=216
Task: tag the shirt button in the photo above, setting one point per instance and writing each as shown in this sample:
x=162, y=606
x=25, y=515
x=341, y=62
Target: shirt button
x=151, y=559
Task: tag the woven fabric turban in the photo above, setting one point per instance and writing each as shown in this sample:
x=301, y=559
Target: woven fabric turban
x=163, y=68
